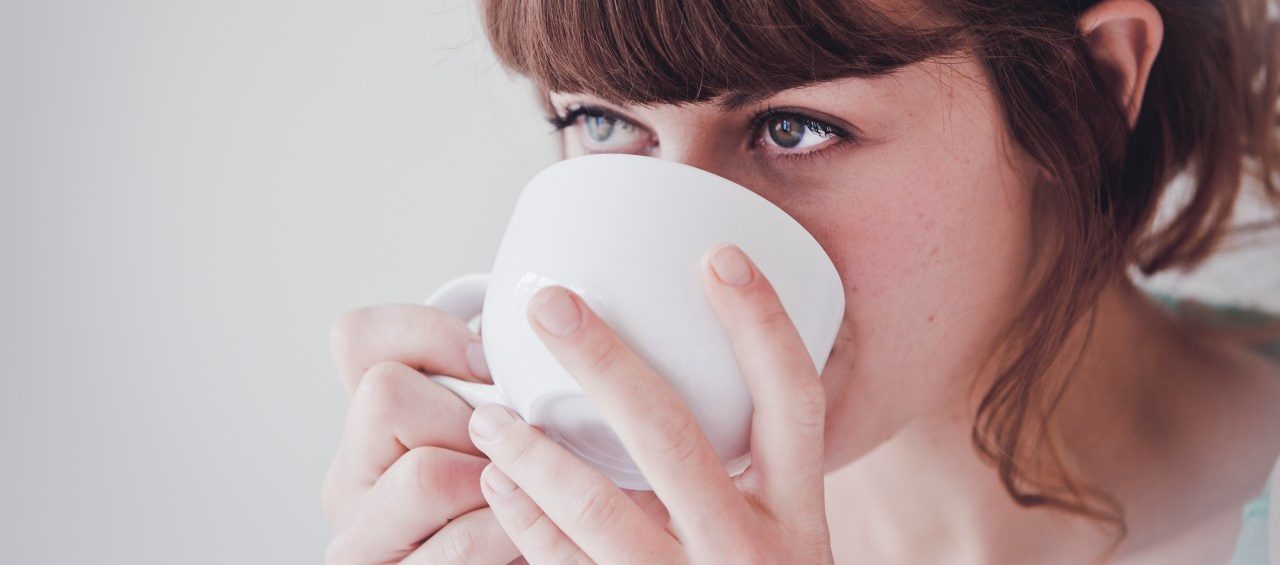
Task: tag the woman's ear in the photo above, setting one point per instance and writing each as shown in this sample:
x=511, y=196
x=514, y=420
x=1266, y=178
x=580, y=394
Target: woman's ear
x=1125, y=35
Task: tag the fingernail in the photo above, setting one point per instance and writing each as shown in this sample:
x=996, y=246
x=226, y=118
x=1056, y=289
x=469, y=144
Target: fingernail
x=498, y=481
x=731, y=265
x=475, y=360
x=556, y=311
x=489, y=419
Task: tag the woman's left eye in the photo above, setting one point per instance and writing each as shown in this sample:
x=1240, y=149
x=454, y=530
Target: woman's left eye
x=795, y=132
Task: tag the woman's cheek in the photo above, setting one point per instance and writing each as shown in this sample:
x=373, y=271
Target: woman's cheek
x=929, y=277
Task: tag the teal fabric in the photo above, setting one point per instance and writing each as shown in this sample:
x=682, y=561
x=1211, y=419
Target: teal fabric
x=1252, y=543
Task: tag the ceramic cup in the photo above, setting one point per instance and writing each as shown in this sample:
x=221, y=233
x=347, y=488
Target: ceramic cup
x=627, y=234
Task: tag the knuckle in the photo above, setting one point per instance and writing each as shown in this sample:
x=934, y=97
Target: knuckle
x=676, y=437
x=345, y=331
x=431, y=472
x=773, y=318
x=523, y=446
x=329, y=498
x=381, y=386
x=460, y=544
x=599, y=505
x=538, y=534
x=810, y=401
x=437, y=322
x=436, y=325
x=606, y=356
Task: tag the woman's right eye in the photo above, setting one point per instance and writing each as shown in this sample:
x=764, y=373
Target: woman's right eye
x=600, y=128
x=603, y=132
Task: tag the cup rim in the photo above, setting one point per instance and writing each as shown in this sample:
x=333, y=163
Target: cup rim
x=722, y=184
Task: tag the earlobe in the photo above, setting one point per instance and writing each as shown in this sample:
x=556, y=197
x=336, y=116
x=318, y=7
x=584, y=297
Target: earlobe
x=1125, y=35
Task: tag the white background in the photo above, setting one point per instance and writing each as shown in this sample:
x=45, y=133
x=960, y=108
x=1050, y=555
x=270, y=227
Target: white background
x=190, y=194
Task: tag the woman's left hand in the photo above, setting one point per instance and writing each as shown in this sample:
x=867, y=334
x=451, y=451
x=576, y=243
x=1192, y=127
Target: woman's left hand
x=557, y=509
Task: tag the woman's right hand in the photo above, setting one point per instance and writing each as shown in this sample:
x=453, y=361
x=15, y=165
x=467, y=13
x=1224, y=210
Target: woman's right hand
x=404, y=486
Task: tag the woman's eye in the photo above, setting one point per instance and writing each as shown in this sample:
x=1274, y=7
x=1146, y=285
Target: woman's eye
x=607, y=132
x=599, y=128
x=789, y=132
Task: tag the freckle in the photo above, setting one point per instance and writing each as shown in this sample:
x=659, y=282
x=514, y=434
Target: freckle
x=930, y=318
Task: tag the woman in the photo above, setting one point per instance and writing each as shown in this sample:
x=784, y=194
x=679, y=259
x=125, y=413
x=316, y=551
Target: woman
x=983, y=175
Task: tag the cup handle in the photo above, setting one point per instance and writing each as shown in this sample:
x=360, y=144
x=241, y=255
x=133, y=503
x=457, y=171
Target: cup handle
x=463, y=297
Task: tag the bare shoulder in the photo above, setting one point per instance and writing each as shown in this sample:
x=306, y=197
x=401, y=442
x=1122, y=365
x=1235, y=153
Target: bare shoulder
x=1230, y=447
x=1273, y=525
x=1250, y=433
x=1251, y=388
x=1257, y=386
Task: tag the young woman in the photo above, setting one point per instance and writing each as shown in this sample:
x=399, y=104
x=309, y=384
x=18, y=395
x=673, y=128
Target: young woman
x=984, y=176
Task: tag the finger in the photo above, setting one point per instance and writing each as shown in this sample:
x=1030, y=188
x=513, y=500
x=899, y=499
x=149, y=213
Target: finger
x=410, y=502
x=789, y=403
x=473, y=538
x=651, y=505
x=594, y=513
x=421, y=337
x=536, y=535
x=395, y=409
x=650, y=419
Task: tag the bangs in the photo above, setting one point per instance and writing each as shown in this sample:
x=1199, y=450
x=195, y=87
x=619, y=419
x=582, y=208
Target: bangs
x=675, y=51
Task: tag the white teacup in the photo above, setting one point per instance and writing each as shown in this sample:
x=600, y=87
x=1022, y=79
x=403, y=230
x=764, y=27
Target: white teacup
x=627, y=233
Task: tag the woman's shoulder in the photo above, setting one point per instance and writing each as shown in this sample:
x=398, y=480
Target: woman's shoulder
x=1246, y=342
x=1259, y=540
x=1257, y=375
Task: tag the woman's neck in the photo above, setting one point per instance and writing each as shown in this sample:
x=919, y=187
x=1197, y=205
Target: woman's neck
x=926, y=495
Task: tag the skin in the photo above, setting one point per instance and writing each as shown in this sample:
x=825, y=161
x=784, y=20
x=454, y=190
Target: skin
x=929, y=220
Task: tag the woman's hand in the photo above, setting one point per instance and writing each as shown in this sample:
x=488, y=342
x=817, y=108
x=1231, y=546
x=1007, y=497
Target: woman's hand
x=405, y=484
x=557, y=509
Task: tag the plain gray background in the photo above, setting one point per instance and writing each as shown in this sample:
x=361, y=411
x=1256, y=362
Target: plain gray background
x=191, y=193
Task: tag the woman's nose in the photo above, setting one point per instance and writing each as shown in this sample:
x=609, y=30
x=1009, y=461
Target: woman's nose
x=703, y=155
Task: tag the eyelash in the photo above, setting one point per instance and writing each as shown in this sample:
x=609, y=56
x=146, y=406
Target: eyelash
x=824, y=128
x=570, y=117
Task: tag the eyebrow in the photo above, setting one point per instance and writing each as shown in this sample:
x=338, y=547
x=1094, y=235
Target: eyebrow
x=737, y=99
x=729, y=102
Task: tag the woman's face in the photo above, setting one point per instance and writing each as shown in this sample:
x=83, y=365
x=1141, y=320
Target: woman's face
x=911, y=186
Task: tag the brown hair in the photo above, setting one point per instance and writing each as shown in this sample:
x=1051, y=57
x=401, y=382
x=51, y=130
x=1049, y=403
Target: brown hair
x=1209, y=112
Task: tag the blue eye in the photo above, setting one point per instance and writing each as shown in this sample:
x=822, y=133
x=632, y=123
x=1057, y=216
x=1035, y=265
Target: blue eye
x=599, y=128
x=609, y=132
x=602, y=131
